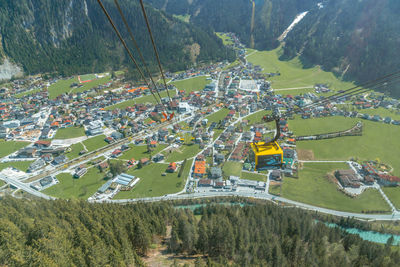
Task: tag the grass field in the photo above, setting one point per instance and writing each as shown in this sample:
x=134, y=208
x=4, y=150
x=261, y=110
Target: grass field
x=292, y=72
x=20, y=165
x=63, y=86
x=393, y=193
x=225, y=39
x=84, y=187
x=313, y=188
x=253, y=176
x=70, y=132
x=192, y=85
x=139, y=100
x=294, y=92
x=8, y=147
x=139, y=152
x=217, y=116
x=153, y=184
x=185, y=152
x=232, y=168
x=378, y=140
x=75, y=149
x=95, y=142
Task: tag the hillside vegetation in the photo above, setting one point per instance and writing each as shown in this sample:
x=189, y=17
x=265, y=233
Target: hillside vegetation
x=77, y=233
x=71, y=37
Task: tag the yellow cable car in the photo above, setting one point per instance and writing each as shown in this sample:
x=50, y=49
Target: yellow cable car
x=267, y=155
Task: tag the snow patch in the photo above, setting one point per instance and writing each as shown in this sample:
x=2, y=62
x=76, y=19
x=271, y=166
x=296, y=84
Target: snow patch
x=296, y=20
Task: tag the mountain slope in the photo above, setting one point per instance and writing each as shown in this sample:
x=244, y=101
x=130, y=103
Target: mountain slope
x=272, y=17
x=71, y=36
x=355, y=39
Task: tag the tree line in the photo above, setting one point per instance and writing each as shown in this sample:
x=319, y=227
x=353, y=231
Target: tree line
x=78, y=233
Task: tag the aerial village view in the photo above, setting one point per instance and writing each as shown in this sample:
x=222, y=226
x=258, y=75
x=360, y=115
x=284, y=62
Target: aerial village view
x=99, y=138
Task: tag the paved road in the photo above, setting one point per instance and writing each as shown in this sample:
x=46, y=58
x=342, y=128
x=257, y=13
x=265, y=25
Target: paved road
x=263, y=196
x=24, y=187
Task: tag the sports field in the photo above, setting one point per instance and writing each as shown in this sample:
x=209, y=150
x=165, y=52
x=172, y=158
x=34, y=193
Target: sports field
x=87, y=77
x=313, y=187
x=153, y=184
x=192, y=84
x=293, y=74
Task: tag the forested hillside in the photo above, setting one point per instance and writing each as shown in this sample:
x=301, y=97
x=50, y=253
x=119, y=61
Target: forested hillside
x=357, y=39
x=70, y=36
x=272, y=17
x=77, y=233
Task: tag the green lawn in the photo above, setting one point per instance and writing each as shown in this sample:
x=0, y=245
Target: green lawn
x=253, y=176
x=193, y=84
x=139, y=152
x=140, y=100
x=70, y=132
x=20, y=165
x=2, y=183
x=8, y=147
x=153, y=184
x=95, y=143
x=185, y=152
x=233, y=168
x=393, y=193
x=63, y=86
x=275, y=189
x=292, y=72
x=217, y=116
x=313, y=187
x=84, y=187
x=75, y=149
x=378, y=140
